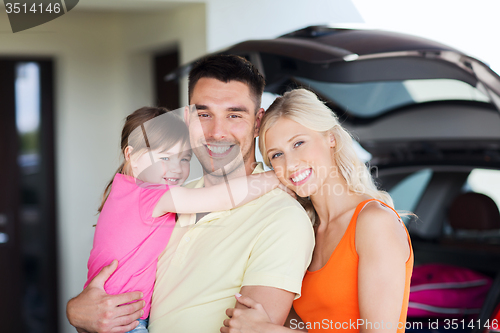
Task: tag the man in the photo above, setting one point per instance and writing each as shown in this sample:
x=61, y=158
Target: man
x=260, y=250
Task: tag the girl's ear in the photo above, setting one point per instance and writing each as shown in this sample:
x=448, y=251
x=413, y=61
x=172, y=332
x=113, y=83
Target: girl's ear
x=127, y=152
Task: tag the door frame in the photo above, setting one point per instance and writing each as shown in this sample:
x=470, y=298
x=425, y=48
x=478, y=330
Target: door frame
x=48, y=183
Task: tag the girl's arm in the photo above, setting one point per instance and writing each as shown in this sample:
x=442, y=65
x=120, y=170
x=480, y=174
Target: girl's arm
x=233, y=193
x=254, y=319
x=383, y=249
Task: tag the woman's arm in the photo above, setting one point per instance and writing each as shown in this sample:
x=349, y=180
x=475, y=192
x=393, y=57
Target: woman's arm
x=233, y=193
x=383, y=249
x=252, y=319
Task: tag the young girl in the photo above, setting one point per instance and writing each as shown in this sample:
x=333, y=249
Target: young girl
x=137, y=214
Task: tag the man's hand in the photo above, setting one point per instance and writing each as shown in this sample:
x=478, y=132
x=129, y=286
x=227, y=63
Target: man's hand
x=96, y=311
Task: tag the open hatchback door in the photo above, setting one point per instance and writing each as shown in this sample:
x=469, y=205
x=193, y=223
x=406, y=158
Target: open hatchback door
x=408, y=100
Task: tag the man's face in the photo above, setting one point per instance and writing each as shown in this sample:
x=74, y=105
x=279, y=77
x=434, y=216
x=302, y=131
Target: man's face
x=228, y=124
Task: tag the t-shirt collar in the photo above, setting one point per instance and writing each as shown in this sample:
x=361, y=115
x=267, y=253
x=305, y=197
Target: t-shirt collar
x=185, y=220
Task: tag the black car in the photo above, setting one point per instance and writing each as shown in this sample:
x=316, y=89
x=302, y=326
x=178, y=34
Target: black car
x=428, y=115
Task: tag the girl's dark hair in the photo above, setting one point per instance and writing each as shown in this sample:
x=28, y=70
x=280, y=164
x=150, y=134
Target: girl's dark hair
x=148, y=128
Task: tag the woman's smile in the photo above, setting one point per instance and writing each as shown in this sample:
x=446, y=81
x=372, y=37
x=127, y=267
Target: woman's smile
x=301, y=177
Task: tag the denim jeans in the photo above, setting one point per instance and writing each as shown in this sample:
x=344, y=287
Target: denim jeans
x=142, y=327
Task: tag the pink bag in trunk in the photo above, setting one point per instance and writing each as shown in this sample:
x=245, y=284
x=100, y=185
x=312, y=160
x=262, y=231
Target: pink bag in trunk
x=446, y=291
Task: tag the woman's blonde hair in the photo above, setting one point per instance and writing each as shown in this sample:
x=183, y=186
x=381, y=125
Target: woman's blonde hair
x=304, y=107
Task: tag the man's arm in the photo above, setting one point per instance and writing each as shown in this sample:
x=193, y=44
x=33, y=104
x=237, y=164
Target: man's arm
x=93, y=310
x=250, y=316
x=278, y=261
x=276, y=302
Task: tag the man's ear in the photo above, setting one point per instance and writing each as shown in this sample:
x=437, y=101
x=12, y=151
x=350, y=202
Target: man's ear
x=258, y=119
x=127, y=152
x=186, y=115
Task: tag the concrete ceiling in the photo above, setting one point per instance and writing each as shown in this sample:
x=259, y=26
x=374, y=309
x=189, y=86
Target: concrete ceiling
x=131, y=5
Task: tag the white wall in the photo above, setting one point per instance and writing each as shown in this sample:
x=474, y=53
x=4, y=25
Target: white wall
x=469, y=26
x=230, y=22
x=87, y=124
x=147, y=33
x=103, y=71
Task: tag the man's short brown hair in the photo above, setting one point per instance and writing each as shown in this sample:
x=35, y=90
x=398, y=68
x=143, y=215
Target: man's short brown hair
x=225, y=68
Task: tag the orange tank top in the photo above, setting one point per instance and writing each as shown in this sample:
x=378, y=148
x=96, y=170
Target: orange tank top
x=329, y=298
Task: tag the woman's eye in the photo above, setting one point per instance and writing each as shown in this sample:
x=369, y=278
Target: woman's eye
x=186, y=160
x=276, y=155
x=164, y=158
x=297, y=144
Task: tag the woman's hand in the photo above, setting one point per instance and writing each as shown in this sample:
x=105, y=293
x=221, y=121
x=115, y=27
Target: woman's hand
x=249, y=320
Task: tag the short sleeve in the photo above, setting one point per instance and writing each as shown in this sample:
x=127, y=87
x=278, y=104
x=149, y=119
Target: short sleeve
x=148, y=199
x=282, y=252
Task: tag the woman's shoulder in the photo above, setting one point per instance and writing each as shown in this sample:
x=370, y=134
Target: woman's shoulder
x=378, y=212
x=379, y=226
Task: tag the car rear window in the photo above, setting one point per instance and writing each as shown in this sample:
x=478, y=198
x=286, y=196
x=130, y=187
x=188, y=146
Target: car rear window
x=371, y=99
x=407, y=193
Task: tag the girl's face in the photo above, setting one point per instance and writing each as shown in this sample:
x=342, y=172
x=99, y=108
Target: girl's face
x=302, y=158
x=169, y=167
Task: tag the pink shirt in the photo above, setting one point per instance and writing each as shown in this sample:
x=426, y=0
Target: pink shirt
x=126, y=231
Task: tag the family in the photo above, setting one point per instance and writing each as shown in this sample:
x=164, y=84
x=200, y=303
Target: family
x=242, y=254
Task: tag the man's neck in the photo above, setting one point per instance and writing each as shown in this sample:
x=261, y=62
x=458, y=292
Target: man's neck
x=244, y=170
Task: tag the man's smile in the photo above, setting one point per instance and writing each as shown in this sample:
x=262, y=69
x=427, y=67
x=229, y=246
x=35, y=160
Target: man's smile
x=218, y=150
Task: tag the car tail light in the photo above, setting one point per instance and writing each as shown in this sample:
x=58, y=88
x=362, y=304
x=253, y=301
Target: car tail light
x=494, y=324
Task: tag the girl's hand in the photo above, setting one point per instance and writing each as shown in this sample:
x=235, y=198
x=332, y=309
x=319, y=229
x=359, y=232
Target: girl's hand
x=287, y=190
x=249, y=320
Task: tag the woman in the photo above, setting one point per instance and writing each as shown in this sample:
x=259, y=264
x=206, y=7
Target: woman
x=359, y=276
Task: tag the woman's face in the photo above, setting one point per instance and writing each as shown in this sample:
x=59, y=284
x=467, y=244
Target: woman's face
x=302, y=158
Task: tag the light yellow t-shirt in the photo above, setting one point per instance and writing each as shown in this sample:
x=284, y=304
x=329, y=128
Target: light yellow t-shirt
x=267, y=242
